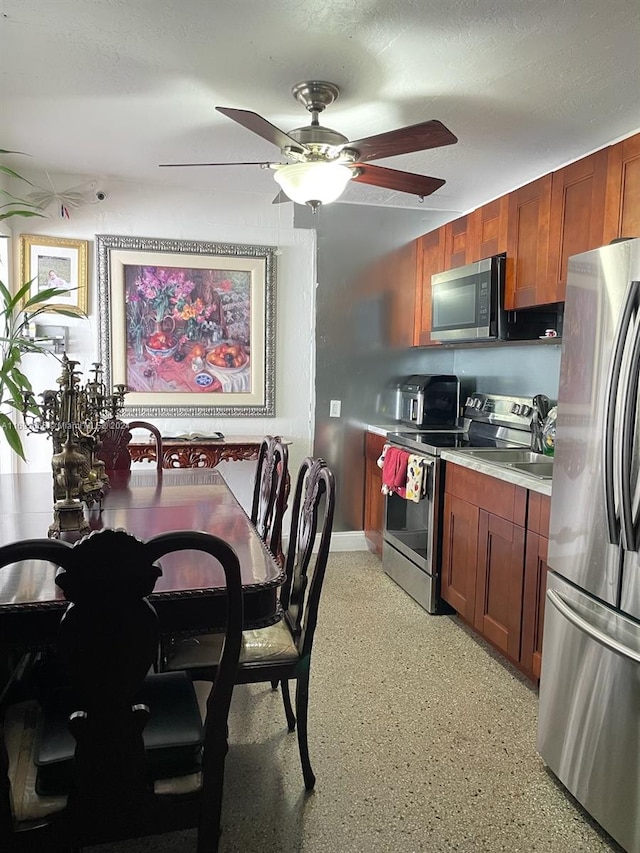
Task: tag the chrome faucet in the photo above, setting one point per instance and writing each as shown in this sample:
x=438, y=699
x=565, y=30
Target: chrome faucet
x=541, y=406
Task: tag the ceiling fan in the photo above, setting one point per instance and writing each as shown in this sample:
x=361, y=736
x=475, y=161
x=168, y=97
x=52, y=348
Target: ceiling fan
x=321, y=161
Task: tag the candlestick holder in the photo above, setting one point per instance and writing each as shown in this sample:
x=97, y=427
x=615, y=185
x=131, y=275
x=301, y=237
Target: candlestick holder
x=74, y=416
x=68, y=512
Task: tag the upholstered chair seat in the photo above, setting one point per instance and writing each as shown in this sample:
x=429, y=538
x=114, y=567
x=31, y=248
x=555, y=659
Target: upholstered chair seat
x=282, y=652
x=94, y=746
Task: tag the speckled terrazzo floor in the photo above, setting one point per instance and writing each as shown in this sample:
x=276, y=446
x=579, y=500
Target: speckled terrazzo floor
x=421, y=739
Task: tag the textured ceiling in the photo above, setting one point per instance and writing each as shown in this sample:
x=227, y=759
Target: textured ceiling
x=108, y=89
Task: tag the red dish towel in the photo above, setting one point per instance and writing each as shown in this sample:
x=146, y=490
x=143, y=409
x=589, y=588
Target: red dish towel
x=394, y=471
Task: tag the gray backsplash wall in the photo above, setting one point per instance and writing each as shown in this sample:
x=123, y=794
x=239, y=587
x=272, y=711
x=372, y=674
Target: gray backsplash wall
x=353, y=362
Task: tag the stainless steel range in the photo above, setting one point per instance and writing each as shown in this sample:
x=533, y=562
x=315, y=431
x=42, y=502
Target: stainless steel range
x=412, y=534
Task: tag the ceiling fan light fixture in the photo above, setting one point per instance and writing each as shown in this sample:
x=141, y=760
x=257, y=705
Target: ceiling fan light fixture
x=315, y=182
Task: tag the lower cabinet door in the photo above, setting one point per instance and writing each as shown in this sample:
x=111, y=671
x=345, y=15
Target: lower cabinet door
x=500, y=573
x=535, y=586
x=459, y=555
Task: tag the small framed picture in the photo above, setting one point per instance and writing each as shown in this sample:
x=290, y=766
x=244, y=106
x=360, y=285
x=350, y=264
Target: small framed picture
x=55, y=262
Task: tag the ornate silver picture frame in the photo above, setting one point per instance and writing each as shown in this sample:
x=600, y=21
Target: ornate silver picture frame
x=188, y=327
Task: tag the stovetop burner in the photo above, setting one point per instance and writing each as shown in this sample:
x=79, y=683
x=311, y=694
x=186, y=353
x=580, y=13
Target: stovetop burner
x=434, y=442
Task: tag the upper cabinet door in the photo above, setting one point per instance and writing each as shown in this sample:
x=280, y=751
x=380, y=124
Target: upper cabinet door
x=401, y=276
x=577, y=217
x=460, y=242
x=490, y=226
x=528, y=245
x=430, y=260
x=622, y=209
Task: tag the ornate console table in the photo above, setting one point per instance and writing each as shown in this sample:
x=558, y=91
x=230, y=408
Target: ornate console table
x=199, y=452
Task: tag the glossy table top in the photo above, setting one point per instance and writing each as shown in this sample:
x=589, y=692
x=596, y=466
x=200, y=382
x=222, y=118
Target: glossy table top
x=144, y=504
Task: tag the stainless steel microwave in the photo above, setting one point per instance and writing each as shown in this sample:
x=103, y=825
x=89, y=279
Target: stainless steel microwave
x=467, y=303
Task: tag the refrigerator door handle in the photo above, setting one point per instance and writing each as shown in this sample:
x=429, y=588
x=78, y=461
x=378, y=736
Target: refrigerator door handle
x=628, y=418
x=578, y=621
x=612, y=437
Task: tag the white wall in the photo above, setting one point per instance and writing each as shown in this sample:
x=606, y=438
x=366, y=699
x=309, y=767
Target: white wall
x=143, y=211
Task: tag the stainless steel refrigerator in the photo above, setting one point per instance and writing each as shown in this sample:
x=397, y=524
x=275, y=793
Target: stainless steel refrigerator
x=589, y=720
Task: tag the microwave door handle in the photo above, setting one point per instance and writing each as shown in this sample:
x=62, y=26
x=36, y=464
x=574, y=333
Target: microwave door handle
x=629, y=414
x=610, y=421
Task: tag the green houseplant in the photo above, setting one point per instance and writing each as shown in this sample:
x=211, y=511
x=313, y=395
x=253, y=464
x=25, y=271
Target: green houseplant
x=17, y=310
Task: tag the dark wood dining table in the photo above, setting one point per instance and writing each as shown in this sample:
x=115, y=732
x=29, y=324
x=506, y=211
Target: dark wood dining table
x=189, y=596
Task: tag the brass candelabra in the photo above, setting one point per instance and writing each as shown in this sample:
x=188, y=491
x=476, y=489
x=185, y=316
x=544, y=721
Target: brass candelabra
x=74, y=416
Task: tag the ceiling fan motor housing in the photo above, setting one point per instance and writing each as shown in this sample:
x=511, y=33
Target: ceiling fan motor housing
x=323, y=143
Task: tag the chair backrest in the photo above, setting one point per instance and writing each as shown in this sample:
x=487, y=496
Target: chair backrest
x=270, y=493
x=107, y=642
x=312, y=514
x=114, y=443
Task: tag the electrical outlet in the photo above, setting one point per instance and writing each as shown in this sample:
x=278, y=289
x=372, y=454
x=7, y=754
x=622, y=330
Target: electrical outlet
x=334, y=408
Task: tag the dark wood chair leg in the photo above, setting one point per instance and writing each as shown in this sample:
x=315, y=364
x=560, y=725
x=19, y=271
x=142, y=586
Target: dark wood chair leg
x=210, y=827
x=286, y=699
x=274, y=684
x=302, y=707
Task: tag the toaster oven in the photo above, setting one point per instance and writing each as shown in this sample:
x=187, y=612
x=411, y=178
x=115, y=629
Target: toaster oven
x=430, y=400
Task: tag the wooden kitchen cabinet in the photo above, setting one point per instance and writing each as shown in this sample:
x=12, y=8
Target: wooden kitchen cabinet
x=528, y=245
x=460, y=242
x=400, y=284
x=499, y=580
x=577, y=218
x=459, y=555
x=494, y=561
x=490, y=228
x=373, y=497
x=483, y=554
x=429, y=260
x=535, y=583
x=622, y=206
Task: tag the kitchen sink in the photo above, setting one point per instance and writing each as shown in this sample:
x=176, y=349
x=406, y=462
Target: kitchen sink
x=542, y=469
x=500, y=456
x=517, y=459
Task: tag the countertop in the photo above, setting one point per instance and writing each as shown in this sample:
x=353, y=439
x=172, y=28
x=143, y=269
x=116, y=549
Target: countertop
x=509, y=475
x=461, y=457
x=384, y=429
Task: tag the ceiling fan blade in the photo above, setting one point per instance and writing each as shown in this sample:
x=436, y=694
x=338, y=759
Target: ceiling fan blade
x=392, y=179
x=251, y=163
x=416, y=137
x=254, y=122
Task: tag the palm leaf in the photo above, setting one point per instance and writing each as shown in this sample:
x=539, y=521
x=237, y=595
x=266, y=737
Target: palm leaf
x=11, y=434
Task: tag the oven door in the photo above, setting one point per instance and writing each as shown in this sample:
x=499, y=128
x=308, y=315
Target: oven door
x=409, y=540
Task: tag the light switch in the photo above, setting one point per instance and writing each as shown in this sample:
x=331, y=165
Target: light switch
x=334, y=408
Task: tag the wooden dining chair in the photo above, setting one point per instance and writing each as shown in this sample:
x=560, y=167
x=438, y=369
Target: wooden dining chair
x=270, y=493
x=94, y=748
x=282, y=652
x=115, y=439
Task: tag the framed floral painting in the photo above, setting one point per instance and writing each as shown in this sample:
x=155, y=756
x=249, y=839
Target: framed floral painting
x=188, y=327
x=57, y=262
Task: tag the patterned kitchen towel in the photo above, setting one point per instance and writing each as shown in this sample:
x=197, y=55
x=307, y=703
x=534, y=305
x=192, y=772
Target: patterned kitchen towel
x=416, y=478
